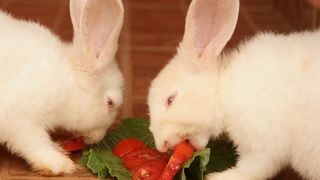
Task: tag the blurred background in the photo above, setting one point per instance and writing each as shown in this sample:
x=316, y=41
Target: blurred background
x=149, y=38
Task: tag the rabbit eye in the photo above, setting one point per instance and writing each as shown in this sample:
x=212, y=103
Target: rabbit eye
x=170, y=100
x=110, y=103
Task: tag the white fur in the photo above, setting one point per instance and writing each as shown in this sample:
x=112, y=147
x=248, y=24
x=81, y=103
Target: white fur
x=46, y=83
x=265, y=95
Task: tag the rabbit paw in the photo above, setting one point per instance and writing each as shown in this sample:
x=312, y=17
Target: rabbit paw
x=55, y=167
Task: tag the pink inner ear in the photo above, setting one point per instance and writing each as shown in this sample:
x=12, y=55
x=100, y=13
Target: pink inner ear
x=205, y=18
x=100, y=36
x=76, y=7
x=214, y=22
x=101, y=21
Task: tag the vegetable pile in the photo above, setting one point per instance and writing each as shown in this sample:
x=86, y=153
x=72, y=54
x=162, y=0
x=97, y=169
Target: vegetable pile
x=128, y=152
x=149, y=164
x=142, y=161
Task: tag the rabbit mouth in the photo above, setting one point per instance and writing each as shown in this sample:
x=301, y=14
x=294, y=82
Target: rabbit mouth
x=199, y=143
x=166, y=138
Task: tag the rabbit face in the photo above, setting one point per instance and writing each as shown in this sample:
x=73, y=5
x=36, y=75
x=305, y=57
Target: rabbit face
x=182, y=105
x=100, y=97
x=184, y=98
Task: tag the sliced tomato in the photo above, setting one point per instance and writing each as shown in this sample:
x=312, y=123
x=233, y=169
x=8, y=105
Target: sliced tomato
x=126, y=146
x=181, y=154
x=150, y=170
x=75, y=144
x=139, y=156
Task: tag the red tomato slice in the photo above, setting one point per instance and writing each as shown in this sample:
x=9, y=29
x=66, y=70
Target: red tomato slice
x=140, y=156
x=181, y=154
x=126, y=146
x=75, y=144
x=150, y=170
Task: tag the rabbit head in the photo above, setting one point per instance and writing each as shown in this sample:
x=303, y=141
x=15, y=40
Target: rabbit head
x=183, y=99
x=97, y=93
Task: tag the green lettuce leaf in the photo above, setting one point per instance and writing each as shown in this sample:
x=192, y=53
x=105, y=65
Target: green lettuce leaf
x=195, y=167
x=100, y=160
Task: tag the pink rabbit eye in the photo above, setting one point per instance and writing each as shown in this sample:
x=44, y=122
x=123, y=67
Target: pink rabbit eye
x=110, y=103
x=170, y=100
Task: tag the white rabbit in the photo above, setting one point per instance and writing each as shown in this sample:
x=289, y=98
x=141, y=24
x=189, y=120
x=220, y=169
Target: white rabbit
x=265, y=95
x=46, y=83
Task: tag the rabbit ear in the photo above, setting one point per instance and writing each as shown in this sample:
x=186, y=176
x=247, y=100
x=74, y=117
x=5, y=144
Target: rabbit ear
x=209, y=25
x=76, y=8
x=97, y=25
